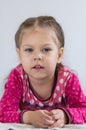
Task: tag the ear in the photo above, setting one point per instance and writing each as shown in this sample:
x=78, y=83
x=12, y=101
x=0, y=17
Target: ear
x=60, y=55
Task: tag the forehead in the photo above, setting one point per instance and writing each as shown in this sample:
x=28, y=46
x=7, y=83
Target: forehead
x=43, y=34
x=40, y=30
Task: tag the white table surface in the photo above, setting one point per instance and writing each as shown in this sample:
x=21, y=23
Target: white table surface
x=14, y=126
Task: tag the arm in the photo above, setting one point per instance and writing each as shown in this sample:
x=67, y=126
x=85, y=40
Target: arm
x=76, y=100
x=38, y=118
x=10, y=102
x=10, y=105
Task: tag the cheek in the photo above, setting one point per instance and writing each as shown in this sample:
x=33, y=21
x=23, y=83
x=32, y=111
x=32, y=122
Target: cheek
x=54, y=58
x=24, y=61
x=51, y=61
x=51, y=65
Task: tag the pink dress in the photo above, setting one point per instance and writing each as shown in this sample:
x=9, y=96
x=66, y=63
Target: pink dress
x=19, y=97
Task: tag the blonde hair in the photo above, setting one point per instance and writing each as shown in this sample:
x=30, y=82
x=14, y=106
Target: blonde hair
x=41, y=21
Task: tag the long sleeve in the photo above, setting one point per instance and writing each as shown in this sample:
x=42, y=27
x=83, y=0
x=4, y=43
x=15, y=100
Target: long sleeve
x=10, y=102
x=75, y=100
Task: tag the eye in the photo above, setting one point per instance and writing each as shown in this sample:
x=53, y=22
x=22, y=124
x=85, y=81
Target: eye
x=46, y=49
x=29, y=50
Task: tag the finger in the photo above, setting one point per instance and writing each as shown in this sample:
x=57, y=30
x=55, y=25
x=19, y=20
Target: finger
x=43, y=125
x=40, y=124
x=53, y=112
x=46, y=115
x=56, y=117
x=56, y=114
x=47, y=122
x=59, y=123
x=46, y=119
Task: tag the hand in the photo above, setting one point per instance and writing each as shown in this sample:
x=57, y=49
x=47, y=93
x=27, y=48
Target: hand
x=39, y=118
x=59, y=117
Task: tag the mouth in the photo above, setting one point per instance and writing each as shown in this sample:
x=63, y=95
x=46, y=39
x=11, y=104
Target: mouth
x=37, y=67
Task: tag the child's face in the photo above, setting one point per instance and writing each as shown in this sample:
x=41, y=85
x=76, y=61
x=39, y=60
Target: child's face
x=39, y=53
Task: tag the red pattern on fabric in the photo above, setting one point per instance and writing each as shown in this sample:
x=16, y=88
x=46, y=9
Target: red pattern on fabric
x=19, y=97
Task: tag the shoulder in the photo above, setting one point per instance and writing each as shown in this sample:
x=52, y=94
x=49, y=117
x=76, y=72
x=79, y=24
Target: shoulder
x=66, y=73
x=65, y=70
x=14, y=79
x=14, y=83
x=18, y=69
x=16, y=72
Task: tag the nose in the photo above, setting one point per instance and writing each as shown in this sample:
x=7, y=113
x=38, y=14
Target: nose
x=38, y=56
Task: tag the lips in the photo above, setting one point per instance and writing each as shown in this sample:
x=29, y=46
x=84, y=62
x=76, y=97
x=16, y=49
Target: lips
x=38, y=67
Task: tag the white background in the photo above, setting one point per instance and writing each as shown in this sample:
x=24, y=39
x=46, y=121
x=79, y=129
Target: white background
x=71, y=14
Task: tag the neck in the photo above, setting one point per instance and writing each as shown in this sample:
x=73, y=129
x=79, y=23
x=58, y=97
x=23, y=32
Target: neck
x=42, y=82
x=43, y=87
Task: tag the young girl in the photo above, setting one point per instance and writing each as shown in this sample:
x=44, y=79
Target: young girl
x=41, y=91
